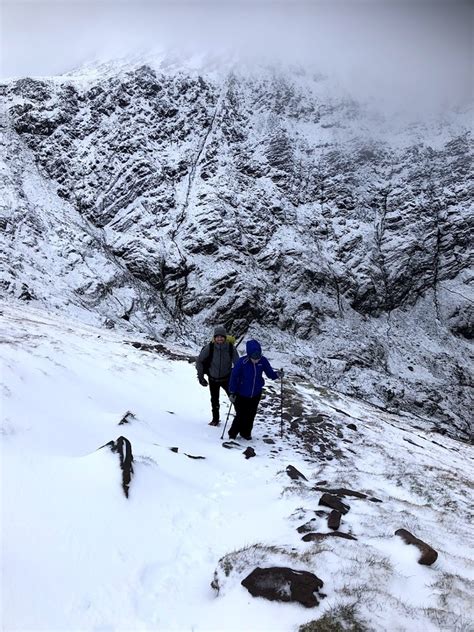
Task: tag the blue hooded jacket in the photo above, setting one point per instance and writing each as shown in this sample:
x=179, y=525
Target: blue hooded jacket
x=246, y=377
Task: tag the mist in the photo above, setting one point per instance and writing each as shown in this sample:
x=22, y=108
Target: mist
x=418, y=52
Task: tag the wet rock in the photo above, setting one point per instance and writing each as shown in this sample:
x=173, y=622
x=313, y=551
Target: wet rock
x=295, y=474
x=334, y=502
x=428, y=554
x=284, y=584
x=334, y=519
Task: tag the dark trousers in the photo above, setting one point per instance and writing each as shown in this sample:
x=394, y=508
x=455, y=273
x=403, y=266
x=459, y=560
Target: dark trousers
x=245, y=411
x=214, y=387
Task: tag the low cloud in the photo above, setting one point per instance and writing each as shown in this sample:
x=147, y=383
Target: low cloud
x=418, y=51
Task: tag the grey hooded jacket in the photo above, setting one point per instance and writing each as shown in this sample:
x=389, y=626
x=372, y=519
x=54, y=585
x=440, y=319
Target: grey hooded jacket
x=221, y=364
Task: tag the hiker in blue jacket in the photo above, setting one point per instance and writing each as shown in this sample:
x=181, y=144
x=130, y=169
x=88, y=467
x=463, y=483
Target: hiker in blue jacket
x=245, y=388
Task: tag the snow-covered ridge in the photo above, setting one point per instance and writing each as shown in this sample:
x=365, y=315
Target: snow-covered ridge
x=107, y=561
x=169, y=200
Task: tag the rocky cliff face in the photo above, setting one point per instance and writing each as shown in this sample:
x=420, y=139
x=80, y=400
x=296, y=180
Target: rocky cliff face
x=174, y=200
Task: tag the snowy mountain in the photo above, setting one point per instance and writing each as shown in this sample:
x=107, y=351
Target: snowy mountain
x=167, y=197
x=77, y=554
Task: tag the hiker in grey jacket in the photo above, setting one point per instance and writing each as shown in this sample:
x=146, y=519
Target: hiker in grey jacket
x=216, y=360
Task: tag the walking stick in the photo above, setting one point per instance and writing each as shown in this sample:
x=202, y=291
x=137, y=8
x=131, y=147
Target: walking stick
x=281, y=403
x=225, y=425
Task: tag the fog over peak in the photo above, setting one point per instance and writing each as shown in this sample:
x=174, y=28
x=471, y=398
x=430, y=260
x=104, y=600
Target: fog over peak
x=414, y=53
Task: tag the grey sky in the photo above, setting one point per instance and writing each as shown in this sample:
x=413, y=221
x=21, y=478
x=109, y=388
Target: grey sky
x=421, y=48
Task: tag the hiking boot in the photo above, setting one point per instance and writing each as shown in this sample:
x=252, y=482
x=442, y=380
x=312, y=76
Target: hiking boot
x=232, y=436
x=214, y=422
x=246, y=437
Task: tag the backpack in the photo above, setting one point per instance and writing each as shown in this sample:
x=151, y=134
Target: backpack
x=207, y=361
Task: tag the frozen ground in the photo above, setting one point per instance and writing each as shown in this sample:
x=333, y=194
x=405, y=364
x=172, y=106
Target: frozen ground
x=78, y=555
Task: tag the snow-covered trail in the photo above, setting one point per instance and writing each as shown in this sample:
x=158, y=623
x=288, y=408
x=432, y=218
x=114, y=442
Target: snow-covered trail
x=77, y=553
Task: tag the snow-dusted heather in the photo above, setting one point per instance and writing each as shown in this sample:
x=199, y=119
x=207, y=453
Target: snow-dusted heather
x=78, y=555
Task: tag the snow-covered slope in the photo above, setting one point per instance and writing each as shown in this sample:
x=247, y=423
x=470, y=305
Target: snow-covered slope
x=78, y=555
x=176, y=197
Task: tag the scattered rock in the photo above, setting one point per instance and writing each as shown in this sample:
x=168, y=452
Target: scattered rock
x=271, y=441
x=284, y=584
x=231, y=444
x=352, y=427
x=334, y=502
x=295, y=474
x=412, y=442
x=428, y=554
x=124, y=449
x=341, y=491
x=249, y=453
x=174, y=449
x=334, y=519
x=310, y=537
x=191, y=456
x=375, y=500
x=26, y=293
x=309, y=526
x=127, y=418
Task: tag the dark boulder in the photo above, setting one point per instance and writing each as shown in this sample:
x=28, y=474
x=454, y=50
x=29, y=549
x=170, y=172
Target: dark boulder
x=284, y=584
x=428, y=554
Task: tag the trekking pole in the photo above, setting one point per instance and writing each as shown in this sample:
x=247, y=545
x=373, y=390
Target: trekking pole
x=281, y=403
x=225, y=425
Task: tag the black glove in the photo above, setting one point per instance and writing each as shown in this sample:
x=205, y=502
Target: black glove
x=202, y=381
x=281, y=373
x=232, y=397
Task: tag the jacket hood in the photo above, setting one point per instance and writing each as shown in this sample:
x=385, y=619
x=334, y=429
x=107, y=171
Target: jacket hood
x=253, y=346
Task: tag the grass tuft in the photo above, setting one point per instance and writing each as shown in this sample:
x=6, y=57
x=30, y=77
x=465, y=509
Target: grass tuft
x=338, y=619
